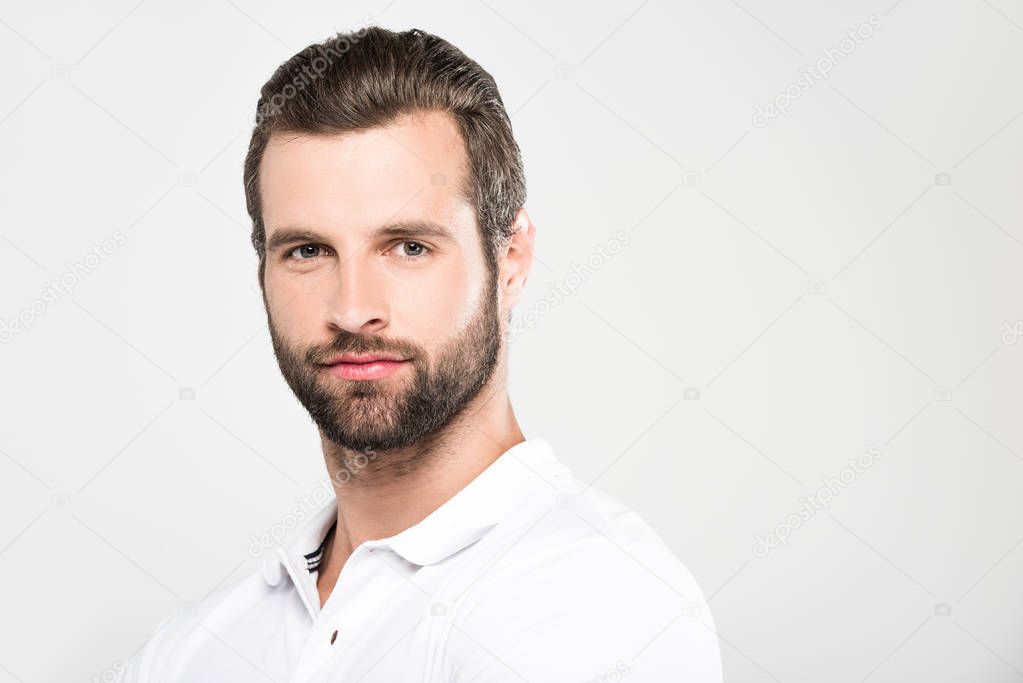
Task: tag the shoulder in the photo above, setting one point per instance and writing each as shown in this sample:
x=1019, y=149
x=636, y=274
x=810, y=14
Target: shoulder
x=580, y=538
x=590, y=589
x=164, y=643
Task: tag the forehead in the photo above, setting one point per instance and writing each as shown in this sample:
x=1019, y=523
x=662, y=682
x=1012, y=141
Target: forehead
x=412, y=168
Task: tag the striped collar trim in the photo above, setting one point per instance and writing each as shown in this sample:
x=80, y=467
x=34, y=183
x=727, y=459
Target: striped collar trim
x=312, y=560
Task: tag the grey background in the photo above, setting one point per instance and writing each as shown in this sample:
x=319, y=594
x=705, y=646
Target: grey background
x=847, y=275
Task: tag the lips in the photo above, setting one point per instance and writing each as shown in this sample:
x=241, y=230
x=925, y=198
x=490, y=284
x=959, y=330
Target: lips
x=362, y=359
x=361, y=367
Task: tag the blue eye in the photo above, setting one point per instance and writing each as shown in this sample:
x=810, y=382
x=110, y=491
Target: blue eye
x=418, y=250
x=305, y=249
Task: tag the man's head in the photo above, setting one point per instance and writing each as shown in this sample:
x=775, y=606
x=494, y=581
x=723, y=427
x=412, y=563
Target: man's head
x=386, y=198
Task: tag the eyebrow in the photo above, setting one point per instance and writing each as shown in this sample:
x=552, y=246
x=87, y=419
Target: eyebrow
x=410, y=228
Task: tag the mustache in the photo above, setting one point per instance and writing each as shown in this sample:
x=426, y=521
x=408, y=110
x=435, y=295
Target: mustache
x=349, y=342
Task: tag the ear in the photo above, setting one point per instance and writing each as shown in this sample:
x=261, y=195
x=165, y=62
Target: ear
x=515, y=261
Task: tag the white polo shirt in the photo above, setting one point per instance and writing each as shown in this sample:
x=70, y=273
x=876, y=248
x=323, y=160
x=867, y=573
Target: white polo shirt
x=526, y=574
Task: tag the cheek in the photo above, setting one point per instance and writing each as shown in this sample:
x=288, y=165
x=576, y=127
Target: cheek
x=437, y=307
x=290, y=306
x=275, y=293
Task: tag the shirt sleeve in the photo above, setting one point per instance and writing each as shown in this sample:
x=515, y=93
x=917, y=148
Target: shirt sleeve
x=139, y=667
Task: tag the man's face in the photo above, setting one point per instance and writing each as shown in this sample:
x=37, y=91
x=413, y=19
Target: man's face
x=391, y=265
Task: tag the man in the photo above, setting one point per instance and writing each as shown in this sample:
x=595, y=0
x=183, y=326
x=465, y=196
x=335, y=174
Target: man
x=386, y=193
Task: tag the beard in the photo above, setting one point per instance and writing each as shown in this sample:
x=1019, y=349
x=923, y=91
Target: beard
x=397, y=412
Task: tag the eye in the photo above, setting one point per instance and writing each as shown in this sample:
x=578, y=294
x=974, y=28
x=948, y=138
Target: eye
x=410, y=249
x=307, y=252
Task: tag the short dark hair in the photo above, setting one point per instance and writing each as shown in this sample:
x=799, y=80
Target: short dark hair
x=370, y=77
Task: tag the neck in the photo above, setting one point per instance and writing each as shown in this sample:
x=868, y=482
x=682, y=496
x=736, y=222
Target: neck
x=383, y=494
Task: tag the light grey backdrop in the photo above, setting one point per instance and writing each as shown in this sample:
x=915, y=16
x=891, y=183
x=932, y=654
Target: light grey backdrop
x=789, y=290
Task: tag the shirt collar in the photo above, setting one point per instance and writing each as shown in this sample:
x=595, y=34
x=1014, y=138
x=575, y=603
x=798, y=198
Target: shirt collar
x=305, y=552
x=457, y=523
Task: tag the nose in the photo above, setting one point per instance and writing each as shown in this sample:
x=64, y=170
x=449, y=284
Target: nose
x=356, y=301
